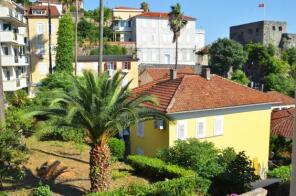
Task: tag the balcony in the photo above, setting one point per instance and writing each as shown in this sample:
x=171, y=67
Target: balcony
x=121, y=28
x=11, y=16
x=11, y=37
x=11, y=60
x=15, y=84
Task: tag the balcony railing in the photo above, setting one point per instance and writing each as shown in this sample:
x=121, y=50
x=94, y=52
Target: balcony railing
x=12, y=16
x=12, y=60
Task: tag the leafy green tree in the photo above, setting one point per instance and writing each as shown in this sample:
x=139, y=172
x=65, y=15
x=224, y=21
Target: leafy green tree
x=226, y=54
x=24, y=2
x=290, y=56
x=57, y=80
x=65, y=45
x=94, y=14
x=176, y=23
x=201, y=157
x=237, y=176
x=239, y=76
x=102, y=107
x=145, y=6
x=280, y=82
x=17, y=98
x=13, y=154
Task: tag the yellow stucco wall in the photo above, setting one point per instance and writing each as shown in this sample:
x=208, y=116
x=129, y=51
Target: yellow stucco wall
x=125, y=15
x=244, y=129
x=36, y=73
x=151, y=142
x=132, y=74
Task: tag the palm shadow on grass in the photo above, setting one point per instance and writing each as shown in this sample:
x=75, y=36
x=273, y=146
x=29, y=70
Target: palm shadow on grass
x=31, y=181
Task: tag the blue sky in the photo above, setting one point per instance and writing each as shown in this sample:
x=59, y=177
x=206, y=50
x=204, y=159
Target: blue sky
x=216, y=16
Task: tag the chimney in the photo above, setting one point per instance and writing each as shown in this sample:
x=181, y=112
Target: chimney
x=173, y=74
x=206, y=72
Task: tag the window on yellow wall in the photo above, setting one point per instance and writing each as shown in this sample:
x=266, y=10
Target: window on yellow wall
x=200, y=128
x=218, y=125
x=140, y=151
x=181, y=130
x=140, y=129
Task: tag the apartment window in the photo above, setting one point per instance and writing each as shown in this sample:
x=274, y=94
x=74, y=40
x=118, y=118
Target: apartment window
x=6, y=73
x=273, y=28
x=6, y=27
x=218, y=125
x=42, y=69
x=5, y=50
x=181, y=130
x=41, y=49
x=126, y=65
x=140, y=151
x=38, y=12
x=140, y=129
x=257, y=30
x=40, y=28
x=200, y=128
x=280, y=28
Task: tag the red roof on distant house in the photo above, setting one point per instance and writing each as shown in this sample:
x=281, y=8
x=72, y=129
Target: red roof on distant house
x=194, y=92
x=126, y=8
x=160, y=15
x=159, y=73
x=282, y=122
x=53, y=11
x=281, y=98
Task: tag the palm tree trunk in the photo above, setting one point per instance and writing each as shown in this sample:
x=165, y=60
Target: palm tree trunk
x=176, y=60
x=49, y=37
x=2, y=106
x=100, y=171
x=76, y=46
x=101, y=35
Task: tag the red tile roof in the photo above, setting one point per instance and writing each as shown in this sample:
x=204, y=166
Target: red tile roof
x=50, y=1
x=126, y=8
x=193, y=92
x=160, y=15
x=53, y=11
x=283, y=99
x=282, y=122
x=159, y=73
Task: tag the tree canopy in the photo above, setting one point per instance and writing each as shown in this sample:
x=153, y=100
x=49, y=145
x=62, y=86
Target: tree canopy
x=225, y=55
x=65, y=45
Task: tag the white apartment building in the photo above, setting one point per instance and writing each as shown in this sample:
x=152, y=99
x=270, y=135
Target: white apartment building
x=13, y=39
x=154, y=40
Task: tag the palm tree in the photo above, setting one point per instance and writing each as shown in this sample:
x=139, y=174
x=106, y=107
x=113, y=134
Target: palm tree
x=102, y=107
x=145, y=6
x=176, y=23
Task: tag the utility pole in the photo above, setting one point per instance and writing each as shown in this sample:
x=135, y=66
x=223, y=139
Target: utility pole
x=2, y=105
x=101, y=35
x=49, y=37
x=76, y=46
x=293, y=176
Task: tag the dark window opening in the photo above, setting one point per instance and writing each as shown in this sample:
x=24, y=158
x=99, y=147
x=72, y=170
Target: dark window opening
x=273, y=28
x=280, y=28
x=257, y=30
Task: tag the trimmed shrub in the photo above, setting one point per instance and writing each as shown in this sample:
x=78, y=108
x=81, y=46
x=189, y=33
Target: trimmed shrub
x=42, y=191
x=283, y=172
x=196, y=155
x=117, y=148
x=157, y=168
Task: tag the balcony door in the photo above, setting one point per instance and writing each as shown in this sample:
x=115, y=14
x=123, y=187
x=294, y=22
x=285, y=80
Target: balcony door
x=167, y=59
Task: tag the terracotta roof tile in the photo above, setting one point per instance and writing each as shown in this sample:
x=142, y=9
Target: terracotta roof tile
x=53, y=11
x=282, y=122
x=160, y=15
x=279, y=97
x=193, y=92
x=158, y=73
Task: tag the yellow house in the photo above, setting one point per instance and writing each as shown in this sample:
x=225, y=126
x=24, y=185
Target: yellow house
x=209, y=108
x=111, y=63
x=38, y=26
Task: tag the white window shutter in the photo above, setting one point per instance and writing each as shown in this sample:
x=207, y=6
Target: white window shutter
x=218, y=126
x=140, y=129
x=181, y=130
x=200, y=128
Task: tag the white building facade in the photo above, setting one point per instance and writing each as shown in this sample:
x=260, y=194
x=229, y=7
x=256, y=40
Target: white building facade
x=154, y=40
x=14, y=45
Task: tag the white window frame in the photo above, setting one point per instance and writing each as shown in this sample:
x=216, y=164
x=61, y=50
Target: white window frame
x=216, y=131
x=141, y=129
x=183, y=123
x=39, y=25
x=198, y=134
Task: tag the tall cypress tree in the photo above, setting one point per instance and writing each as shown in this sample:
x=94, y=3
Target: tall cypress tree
x=65, y=45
